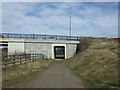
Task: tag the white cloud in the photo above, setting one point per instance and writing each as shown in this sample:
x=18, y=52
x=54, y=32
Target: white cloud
x=53, y=18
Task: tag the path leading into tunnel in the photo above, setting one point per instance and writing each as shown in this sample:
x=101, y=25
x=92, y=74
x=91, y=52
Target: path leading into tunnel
x=58, y=76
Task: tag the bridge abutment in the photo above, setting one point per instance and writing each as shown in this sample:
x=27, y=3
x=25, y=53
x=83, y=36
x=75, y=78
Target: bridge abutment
x=40, y=46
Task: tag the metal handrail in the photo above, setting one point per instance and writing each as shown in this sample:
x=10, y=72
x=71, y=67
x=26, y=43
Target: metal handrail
x=36, y=36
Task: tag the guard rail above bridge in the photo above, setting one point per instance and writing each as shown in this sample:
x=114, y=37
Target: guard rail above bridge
x=38, y=36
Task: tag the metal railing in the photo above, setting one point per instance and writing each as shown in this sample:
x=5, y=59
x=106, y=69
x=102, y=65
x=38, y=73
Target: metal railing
x=36, y=36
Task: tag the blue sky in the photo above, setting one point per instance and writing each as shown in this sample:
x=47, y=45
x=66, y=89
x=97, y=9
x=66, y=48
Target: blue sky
x=98, y=19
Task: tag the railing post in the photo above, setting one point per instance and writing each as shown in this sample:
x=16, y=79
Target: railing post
x=20, y=35
x=33, y=36
x=45, y=37
x=8, y=35
x=56, y=37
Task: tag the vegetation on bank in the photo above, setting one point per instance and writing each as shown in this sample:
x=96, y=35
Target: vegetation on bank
x=97, y=64
x=17, y=74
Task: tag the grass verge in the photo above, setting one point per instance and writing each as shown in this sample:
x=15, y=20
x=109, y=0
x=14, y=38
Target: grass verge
x=97, y=66
x=18, y=74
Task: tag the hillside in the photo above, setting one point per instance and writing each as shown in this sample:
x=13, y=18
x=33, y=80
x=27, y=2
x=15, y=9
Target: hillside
x=97, y=64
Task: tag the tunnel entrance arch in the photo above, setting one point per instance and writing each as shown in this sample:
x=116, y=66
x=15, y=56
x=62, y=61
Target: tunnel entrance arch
x=58, y=46
x=59, y=52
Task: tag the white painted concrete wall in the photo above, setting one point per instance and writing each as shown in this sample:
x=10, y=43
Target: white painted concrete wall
x=15, y=47
x=71, y=50
x=41, y=46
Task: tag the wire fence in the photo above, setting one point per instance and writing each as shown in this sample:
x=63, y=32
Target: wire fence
x=11, y=61
x=36, y=36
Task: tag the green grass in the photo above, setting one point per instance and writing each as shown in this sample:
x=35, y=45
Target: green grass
x=18, y=74
x=97, y=66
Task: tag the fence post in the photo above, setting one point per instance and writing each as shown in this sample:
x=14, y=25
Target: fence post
x=13, y=60
x=25, y=58
x=5, y=60
x=35, y=57
x=32, y=57
x=28, y=58
x=20, y=60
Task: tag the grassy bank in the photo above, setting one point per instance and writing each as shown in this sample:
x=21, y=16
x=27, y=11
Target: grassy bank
x=97, y=66
x=17, y=74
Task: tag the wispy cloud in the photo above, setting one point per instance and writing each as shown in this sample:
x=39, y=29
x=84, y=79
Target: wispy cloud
x=88, y=19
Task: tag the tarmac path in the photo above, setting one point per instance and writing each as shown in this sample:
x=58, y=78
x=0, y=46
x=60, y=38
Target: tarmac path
x=58, y=76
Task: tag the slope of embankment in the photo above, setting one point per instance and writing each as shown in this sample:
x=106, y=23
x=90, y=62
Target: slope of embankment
x=97, y=63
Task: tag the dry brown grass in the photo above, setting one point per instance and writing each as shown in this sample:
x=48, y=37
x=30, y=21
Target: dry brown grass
x=19, y=73
x=98, y=64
